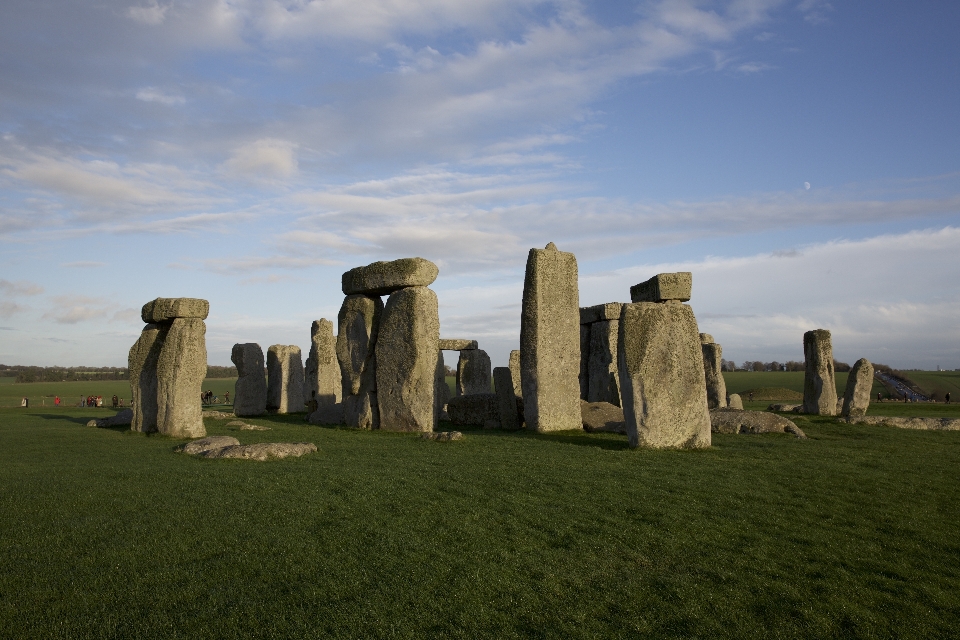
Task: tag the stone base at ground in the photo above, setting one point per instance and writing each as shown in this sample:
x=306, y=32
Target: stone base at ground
x=332, y=414
x=477, y=409
x=602, y=416
x=924, y=424
x=738, y=421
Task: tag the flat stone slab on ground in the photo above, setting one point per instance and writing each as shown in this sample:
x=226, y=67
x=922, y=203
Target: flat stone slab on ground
x=602, y=416
x=218, y=414
x=442, y=436
x=924, y=424
x=243, y=426
x=476, y=409
x=663, y=287
x=163, y=309
x=596, y=313
x=786, y=408
x=262, y=451
x=207, y=444
x=122, y=419
x=453, y=344
x=739, y=421
x=383, y=278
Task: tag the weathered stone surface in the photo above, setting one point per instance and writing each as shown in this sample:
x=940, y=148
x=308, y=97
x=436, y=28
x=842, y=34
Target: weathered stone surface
x=443, y=436
x=602, y=416
x=716, y=385
x=452, y=344
x=515, y=372
x=584, y=375
x=441, y=390
x=663, y=287
x=382, y=278
x=550, y=341
x=473, y=372
x=406, y=351
x=475, y=409
x=734, y=401
x=856, y=395
x=209, y=443
x=359, y=326
x=142, y=368
x=262, y=451
x=784, y=408
x=819, y=383
x=603, y=375
x=181, y=368
x=596, y=313
x=925, y=424
x=284, y=379
x=739, y=421
x=506, y=398
x=123, y=418
x=329, y=414
x=661, y=377
x=243, y=426
x=322, y=379
x=706, y=338
x=210, y=413
x=250, y=390
x=165, y=309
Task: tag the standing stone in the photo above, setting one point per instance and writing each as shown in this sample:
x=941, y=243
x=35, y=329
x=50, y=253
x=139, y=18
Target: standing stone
x=856, y=396
x=181, y=368
x=661, y=376
x=250, y=391
x=358, y=329
x=442, y=391
x=819, y=383
x=284, y=379
x=735, y=402
x=406, y=352
x=142, y=367
x=584, y=361
x=550, y=341
x=473, y=372
x=603, y=376
x=506, y=398
x=716, y=385
x=515, y=372
x=382, y=278
x=323, y=381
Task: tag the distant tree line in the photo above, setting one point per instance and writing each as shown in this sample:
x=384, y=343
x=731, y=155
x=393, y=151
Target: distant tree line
x=24, y=373
x=790, y=365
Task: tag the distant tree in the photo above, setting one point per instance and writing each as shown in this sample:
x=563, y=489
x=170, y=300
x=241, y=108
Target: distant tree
x=793, y=365
x=840, y=366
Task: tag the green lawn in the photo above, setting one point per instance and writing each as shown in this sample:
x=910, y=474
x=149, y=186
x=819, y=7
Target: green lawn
x=104, y=533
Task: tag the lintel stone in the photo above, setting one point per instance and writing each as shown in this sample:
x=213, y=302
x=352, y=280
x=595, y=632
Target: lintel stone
x=663, y=287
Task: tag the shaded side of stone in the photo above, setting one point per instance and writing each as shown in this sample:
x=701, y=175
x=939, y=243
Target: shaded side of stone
x=382, y=278
x=406, y=351
x=602, y=416
x=284, y=379
x=661, y=377
x=819, y=383
x=166, y=309
x=550, y=341
x=856, y=395
x=142, y=369
x=663, y=287
x=596, y=313
x=473, y=372
x=323, y=382
x=584, y=376
x=603, y=376
x=477, y=409
x=359, y=326
x=441, y=390
x=250, y=390
x=713, y=375
x=181, y=368
x=509, y=414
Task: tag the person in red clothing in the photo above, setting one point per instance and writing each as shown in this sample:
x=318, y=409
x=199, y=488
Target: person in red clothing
x=56, y=401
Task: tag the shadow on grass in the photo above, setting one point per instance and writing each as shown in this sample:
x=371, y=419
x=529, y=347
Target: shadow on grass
x=83, y=420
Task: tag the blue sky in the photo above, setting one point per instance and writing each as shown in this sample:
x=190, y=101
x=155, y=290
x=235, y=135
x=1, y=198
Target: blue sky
x=802, y=159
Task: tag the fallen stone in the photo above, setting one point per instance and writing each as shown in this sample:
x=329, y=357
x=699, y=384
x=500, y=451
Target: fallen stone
x=322, y=380
x=382, y=278
x=475, y=409
x=734, y=401
x=713, y=376
x=550, y=341
x=217, y=414
x=284, y=379
x=819, y=383
x=450, y=344
x=596, y=313
x=165, y=309
x=243, y=426
x=603, y=374
x=661, y=377
x=442, y=436
x=181, y=368
x=122, y=419
x=602, y=416
x=785, y=408
x=359, y=326
x=142, y=370
x=250, y=390
x=856, y=395
x=739, y=421
x=209, y=443
x=473, y=372
x=262, y=451
x=923, y=424
x=407, y=348
x=509, y=414
x=663, y=287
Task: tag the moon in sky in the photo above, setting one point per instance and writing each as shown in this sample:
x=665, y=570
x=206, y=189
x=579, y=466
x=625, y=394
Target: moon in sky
x=806, y=185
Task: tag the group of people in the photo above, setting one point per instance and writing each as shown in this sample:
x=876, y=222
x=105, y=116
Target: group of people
x=91, y=401
x=207, y=397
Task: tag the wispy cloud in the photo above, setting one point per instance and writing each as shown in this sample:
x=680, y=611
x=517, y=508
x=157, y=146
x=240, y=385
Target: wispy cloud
x=19, y=288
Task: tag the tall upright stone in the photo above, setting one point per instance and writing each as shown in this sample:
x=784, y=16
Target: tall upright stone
x=584, y=376
x=713, y=374
x=661, y=376
x=603, y=375
x=506, y=398
x=819, y=382
x=441, y=390
x=142, y=368
x=250, y=391
x=515, y=372
x=181, y=368
x=550, y=341
x=284, y=379
x=323, y=381
x=473, y=372
x=406, y=352
x=856, y=395
x=358, y=328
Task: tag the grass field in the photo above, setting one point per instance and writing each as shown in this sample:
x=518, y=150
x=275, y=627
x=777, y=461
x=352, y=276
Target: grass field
x=105, y=533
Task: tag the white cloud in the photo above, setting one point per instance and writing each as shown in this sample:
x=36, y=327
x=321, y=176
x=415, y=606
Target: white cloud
x=19, y=288
x=71, y=309
x=9, y=308
x=151, y=14
x=264, y=158
x=153, y=94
